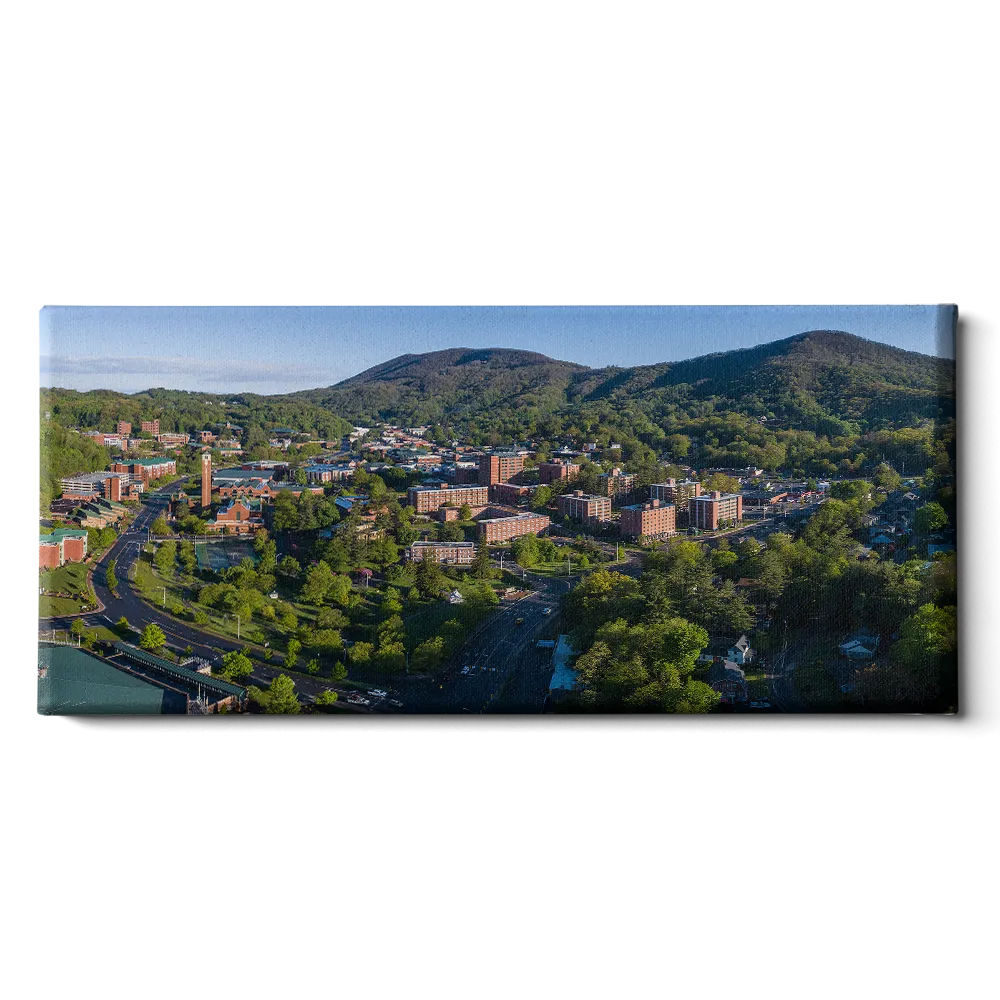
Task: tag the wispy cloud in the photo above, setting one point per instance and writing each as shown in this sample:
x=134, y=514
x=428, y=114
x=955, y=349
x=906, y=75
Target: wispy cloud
x=206, y=370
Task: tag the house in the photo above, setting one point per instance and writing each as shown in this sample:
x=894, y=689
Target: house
x=740, y=652
x=729, y=680
x=860, y=646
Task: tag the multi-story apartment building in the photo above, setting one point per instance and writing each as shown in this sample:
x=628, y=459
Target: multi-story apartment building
x=110, y=485
x=503, y=529
x=675, y=491
x=151, y=427
x=554, y=472
x=62, y=546
x=446, y=553
x=499, y=467
x=145, y=469
x=424, y=500
x=616, y=483
x=328, y=473
x=584, y=507
x=509, y=493
x=124, y=428
x=648, y=520
x=465, y=473
x=713, y=509
x=171, y=440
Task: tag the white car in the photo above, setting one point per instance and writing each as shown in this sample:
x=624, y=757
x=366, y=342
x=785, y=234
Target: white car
x=375, y=693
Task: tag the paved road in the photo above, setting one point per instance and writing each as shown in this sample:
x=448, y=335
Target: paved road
x=139, y=614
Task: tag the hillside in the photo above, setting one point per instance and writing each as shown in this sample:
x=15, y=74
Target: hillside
x=801, y=380
x=450, y=387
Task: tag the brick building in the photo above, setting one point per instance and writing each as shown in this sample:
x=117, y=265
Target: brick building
x=554, y=472
x=508, y=493
x=584, y=507
x=62, y=546
x=616, y=483
x=446, y=553
x=145, y=469
x=503, y=529
x=170, y=440
x=466, y=473
x=238, y=517
x=124, y=428
x=150, y=426
x=648, y=520
x=675, y=491
x=709, y=511
x=426, y=499
x=499, y=467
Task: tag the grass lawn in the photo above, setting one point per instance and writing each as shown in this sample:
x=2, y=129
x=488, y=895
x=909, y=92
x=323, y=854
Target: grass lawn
x=70, y=579
x=759, y=687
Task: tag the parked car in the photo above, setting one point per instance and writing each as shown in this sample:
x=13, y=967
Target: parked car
x=546, y=611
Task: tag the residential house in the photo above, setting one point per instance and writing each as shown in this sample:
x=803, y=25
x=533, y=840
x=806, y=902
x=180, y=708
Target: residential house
x=740, y=652
x=729, y=680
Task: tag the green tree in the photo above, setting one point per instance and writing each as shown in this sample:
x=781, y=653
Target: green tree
x=360, y=653
x=236, y=665
x=930, y=518
x=721, y=482
x=429, y=655
x=428, y=576
x=332, y=618
x=292, y=655
x=77, y=627
x=123, y=627
x=152, y=637
x=525, y=551
x=312, y=667
x=450, y=531
x=319, y=580
x=482, y=568
x=166, y=555
x=160, y=526
x=453, y=632
x=465, y=512
x=289, y=568
x=110, y=578
x=392, y=603
x=279, y=698
x=885, y=477
x=327, y=697
x=285, y=516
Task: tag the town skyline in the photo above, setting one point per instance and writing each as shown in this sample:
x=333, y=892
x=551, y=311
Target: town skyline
x=285, y=349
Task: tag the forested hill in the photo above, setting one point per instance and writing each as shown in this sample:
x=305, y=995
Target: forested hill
x=818, y=380
x=829, y=382
x=457, y=386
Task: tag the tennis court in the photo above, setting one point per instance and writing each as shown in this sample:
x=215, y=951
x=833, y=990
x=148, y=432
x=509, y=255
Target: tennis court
x=223, y=553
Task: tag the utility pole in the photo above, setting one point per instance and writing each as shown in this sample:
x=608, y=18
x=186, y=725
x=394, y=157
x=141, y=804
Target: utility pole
x=164, y=589
x=237, y=626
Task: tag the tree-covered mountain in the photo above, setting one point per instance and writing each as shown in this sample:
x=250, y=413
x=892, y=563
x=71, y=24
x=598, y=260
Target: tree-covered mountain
x=803, y=380
x=817, y=403
x=456, y=388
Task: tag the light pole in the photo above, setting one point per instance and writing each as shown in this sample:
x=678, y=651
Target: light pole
x=164, y=589
x=237, y=626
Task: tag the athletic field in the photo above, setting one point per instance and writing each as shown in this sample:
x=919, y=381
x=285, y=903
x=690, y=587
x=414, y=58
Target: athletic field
x=223, y=553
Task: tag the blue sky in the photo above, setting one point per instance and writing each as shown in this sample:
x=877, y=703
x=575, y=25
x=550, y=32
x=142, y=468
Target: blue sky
x=281, y=349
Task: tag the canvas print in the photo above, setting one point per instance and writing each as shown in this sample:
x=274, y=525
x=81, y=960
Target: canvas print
x=548, y=511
